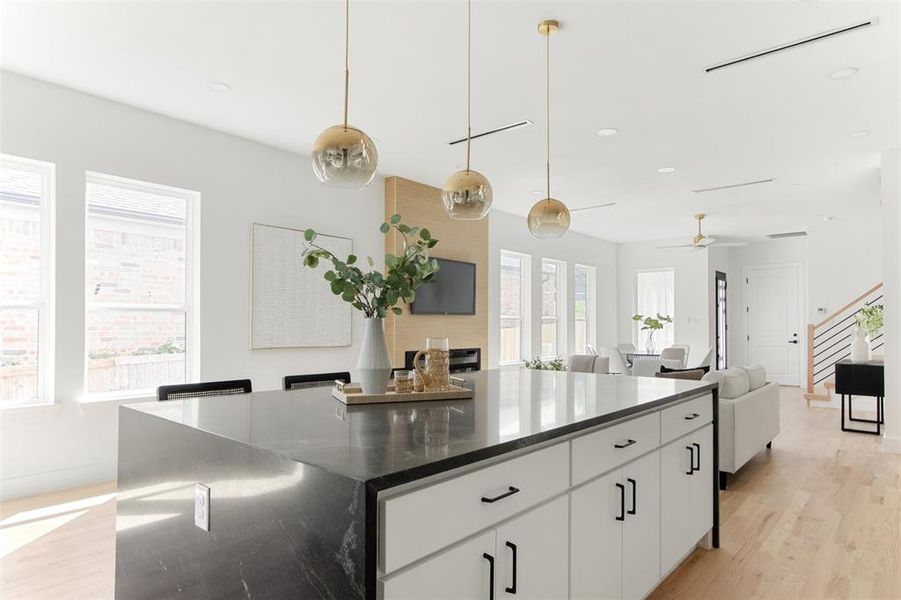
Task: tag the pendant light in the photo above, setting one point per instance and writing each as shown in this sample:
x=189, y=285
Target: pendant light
x=549, y=218
x=467, y=194
x=344, y=156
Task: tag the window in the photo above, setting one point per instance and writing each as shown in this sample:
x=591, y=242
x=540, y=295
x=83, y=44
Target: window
x=514, y=303
x=553, y=303
x=656, y=295
x=585, y=306
x=26, y=281
x=140, y=284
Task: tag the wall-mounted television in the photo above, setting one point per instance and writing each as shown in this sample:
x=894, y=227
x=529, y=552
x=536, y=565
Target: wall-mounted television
x=452, y=290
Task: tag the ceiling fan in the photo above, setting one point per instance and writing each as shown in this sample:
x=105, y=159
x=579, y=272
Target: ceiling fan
x=700, y=241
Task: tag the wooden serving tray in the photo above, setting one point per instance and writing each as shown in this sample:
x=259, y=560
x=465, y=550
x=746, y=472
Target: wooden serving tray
x=351, y=393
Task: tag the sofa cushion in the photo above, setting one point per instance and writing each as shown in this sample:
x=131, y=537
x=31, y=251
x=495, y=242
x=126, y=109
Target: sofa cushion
x=756, y=376
x=732, y=382
x=692, y=374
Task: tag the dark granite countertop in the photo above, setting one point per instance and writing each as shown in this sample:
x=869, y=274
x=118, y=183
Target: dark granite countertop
x=389, y=444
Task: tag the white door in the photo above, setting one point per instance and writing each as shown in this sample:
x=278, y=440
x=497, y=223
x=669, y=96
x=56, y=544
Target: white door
x=462, y=572
x=675, y=503
x=773, y=308
x=532, y=554
x=641, y=529
x=702, y=484
x=596, y=545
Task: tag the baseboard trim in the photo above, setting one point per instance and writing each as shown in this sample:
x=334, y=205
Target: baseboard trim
x=891, y=445
x=52, y=481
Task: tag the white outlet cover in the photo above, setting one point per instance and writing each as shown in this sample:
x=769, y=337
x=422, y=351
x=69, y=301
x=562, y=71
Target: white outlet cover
x=202, y=506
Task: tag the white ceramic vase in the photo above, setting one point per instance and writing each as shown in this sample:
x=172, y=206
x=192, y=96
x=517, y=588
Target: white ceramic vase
x=374, y=363
x=860, y=347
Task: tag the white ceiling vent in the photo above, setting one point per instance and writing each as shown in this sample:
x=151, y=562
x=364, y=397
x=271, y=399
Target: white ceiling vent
x=733, y=185
x=787, y=234
x=816, y=37
x=510, y=127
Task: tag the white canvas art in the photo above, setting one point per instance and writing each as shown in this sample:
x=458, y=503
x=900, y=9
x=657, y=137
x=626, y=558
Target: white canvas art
x=292, y=305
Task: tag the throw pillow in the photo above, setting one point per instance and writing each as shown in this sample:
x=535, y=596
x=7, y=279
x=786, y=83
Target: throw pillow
x=690, y=374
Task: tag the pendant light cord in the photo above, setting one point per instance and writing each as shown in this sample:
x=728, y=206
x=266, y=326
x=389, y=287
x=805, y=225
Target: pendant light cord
x=346, y=54
x=547, y=75
x=468, y=83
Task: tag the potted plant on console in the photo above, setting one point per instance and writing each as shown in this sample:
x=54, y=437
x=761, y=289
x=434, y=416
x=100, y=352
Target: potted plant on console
x=374, y=293
x=652, y=325
x=869, y=322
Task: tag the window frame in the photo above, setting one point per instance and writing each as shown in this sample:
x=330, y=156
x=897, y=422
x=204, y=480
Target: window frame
x=560, y=319
x=636, y=326
x=590, y=307
x=191, y=305
x=45, y=305
x=525, y=261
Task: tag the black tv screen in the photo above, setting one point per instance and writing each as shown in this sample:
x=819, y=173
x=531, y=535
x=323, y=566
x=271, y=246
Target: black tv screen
x=452, y=290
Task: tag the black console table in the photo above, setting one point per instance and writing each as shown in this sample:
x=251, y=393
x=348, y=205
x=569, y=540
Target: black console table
x=865, y=378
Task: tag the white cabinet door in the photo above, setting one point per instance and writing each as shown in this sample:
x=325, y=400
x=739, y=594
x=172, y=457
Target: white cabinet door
x=702, y=483
x=596, y=546
x=675, y=503
x=641, y=529
x=532, y=554
x=461, y=572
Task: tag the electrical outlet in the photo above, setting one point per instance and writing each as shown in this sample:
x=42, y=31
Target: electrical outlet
x=202, y=506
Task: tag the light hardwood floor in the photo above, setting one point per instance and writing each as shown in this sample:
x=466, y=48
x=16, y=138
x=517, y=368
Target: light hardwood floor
x=818, y=516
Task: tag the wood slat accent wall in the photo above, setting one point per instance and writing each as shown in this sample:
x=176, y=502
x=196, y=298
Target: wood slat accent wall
x=420, y=205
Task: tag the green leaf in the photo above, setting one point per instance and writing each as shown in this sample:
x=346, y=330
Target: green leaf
x=384, y=228
x=337, y=287
x=395, y=219
x=370, y=261
x=351, y=259
x=329, y=275
x=397, y=310
x=403, y=228
x=432, y=243
x=311, y=260
x=424, y=234
x=309, y=235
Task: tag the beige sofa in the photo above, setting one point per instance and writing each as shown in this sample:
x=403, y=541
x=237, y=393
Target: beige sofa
x=749, y=415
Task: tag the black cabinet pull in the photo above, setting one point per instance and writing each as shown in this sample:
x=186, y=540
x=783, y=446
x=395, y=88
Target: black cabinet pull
x=691, y=460
x=698, y=446
x=506, y=494
x=692, y=416
x=626, y=445
x=490, y=560
x=622, y=502
x=512, y=588
x=634, y=504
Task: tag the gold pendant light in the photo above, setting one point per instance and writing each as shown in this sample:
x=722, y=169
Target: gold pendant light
x=549, y=218
x=467, y=194
x=344, y=156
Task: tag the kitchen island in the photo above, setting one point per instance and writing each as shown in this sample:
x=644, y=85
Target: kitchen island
x=544, y=485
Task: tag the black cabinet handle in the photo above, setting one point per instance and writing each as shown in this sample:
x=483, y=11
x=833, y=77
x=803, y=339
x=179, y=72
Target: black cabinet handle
x=622, y=502
x=490, y=560
x=506, y=494
x=634, y=495
x=691, y=460
x=692, y=416
x=626, y=445
x=698, y=446
x=512, y=588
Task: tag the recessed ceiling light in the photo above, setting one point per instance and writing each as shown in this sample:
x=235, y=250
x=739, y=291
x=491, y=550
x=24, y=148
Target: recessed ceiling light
x=861, y=133
x=843, y=73
x=608, y=131
x=219, y=87
x=666, y=169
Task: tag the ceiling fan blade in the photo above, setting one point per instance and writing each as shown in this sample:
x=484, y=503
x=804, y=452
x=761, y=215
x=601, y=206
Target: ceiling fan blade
x=730, y=244
x=678, y=246
x=572, y=210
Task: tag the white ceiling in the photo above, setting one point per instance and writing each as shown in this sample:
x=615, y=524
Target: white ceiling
x=635, y=66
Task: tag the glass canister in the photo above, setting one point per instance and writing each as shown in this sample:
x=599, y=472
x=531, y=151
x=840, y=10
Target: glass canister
x=435, y=375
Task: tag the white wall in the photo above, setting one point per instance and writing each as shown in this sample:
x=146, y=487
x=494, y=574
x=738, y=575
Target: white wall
x=891, y=228
x=510, y=232
x=241, y=182
x=692, y=300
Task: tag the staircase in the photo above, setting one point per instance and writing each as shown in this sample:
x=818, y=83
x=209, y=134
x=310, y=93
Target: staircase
x=829, y=341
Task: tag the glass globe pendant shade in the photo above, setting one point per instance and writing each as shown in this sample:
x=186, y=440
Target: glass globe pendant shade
x=344, y=157
x=467, y=195
x=549, y=218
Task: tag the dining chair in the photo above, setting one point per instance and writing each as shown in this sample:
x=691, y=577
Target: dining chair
x=687, y=349
x=707, y=361
x=581, y=363
x=626, y=348
x=616, y=362
x=672, y=357
x=206, y=388
x=645, y=366
x=301, y=382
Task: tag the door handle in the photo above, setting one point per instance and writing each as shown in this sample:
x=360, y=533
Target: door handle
x=490, y=560
x=622, y=502
x=634, y=495
x=691, y=460
x=512, y=490
x=698, y=468
x=626, y=445
x=792, y=341
x=691, y=417
x=512, y=588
